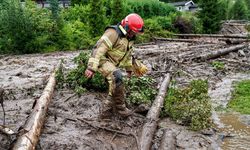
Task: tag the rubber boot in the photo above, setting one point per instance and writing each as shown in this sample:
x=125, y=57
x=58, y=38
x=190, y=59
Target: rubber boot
x=119, y=100
x=106, y=113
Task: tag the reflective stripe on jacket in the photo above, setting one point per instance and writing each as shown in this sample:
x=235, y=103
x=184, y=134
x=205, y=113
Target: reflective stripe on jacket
x=113, y=46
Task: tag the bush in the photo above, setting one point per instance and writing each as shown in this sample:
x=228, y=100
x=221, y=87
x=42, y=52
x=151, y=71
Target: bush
x=187, y=23
x=16, y=27
x=190, y=106
x=140, y=90
x=154, y=28
x=150, y=8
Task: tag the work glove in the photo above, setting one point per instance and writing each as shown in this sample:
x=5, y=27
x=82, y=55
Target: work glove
x=139, y=69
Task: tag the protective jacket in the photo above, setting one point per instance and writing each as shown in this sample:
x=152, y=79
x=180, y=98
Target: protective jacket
x=113, y=46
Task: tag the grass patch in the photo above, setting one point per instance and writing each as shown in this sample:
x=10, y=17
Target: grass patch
x=218, y=65
x=240, y=101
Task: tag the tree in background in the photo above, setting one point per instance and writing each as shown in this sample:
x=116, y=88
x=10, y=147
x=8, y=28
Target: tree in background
x=97, y=18
x=17, y=28
x=210, y=15
x=226, y=6
x=118, y=11
x=171, y=1
x=248, y=6
x=239, y=10
x=79, y=2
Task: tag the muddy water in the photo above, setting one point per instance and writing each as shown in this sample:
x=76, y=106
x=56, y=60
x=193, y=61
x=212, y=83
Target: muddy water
x=235, y=127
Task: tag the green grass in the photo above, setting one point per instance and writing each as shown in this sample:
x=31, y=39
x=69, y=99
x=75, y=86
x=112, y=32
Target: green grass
x=240, y=101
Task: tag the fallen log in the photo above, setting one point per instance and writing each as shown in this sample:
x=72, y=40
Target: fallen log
x=244, y=36
x=30, y=132
x=153, y=115
x=220, y=52
x=176, y=40
x=234, y=41
x=168, y=141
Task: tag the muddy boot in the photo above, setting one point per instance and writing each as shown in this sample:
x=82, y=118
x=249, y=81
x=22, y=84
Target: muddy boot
x=123, y=110
x=119, y=100
x=106, y=113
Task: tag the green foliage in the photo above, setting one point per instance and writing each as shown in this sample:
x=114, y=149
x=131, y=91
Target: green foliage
x=78, y=12
x=210, y=15
x=76, y=80
x=60, y=76
x=140, y=90
x=97, y=18
x=74, y=35
x=241, y=97
x=16, y=27
x=150, y=8
x=188, y=23
x=218, y=65
x=190, y=106
x=226, y=6
x=118, y=11
x=79, y=2
x=239, y=10
x=154, y=28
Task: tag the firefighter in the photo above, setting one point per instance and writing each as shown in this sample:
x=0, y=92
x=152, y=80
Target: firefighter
x=112, y=52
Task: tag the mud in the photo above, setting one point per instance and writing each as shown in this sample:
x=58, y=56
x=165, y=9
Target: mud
x=72, y=120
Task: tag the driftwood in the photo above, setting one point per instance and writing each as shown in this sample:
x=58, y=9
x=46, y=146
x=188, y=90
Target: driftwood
x=234, y=41
x=220, y=52
x=176, y=40
x=1, y=101
x=31, y=130
x=153, y=115
x=168, y=141
x=244, y=36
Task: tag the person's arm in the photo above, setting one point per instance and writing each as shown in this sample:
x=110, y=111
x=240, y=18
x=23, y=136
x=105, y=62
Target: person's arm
x=104, y=44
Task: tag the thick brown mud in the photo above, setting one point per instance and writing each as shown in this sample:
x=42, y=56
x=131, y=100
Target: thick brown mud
x=72, y=120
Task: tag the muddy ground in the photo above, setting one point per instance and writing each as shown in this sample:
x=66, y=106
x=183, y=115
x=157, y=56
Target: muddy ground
x=72, y=121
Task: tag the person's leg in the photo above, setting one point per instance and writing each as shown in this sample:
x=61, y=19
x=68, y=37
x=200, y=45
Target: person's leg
x=106, y=70
x=118, y=94
x=116, y=91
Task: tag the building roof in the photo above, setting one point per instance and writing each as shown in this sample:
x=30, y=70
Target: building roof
x=183, y=3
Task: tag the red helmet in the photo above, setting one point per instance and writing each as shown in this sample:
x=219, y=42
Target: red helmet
x=133, y=22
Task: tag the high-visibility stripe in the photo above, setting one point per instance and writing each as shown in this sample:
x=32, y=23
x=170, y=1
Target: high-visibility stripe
x=123, y=30
x=108, y=42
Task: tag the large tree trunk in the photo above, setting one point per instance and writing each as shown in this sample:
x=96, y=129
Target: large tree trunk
x=153, y=115
x=244, y=36
x=32, y=128
x=217, y=53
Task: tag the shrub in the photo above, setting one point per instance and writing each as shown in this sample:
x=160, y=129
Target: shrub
x=187, y=23
x=154, y=28
x=140, y=90
x=150, y=8
x=190, y=106
x=16, y=27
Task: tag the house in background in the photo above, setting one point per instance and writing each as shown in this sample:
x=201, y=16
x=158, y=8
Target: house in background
x=185, y=6
x=45, y=3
